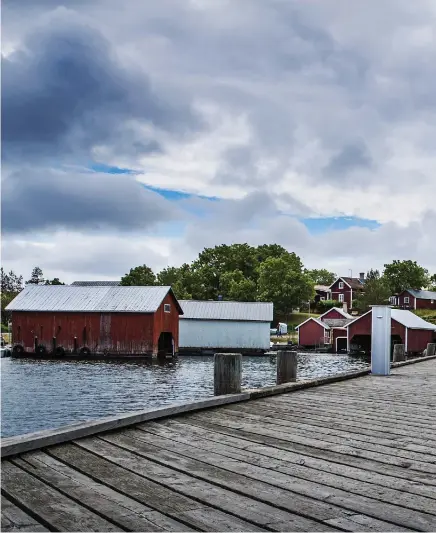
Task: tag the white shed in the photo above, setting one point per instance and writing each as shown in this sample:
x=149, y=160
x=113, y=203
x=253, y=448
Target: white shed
x=209, y=326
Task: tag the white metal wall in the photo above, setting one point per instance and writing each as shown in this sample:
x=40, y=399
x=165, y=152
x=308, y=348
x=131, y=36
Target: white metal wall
x=223, y=334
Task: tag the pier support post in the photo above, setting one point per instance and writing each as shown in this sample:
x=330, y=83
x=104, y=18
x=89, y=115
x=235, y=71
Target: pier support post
x=399, y=353
x=381, y=340
x=286, y=366
x=227, y=373
x=431, y=348
x=54, y=344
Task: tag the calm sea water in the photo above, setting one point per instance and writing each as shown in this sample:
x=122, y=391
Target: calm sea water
x=47, y=394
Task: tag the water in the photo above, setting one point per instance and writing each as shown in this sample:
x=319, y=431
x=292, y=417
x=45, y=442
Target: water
x=40, y=395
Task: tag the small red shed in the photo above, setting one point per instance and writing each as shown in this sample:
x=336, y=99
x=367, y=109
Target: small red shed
x=328, y=328
x=313, y=332
x=406, y=328
x=88, y=320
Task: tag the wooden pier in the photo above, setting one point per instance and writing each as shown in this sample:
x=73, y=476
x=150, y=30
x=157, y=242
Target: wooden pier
x=350, y=455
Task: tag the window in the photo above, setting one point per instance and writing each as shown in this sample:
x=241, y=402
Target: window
x=432, y=301
x=406, y=299
x=341, y=297
x=341, y=285
x=167, y=308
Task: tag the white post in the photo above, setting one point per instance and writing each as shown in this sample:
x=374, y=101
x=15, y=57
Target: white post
x=381, y=340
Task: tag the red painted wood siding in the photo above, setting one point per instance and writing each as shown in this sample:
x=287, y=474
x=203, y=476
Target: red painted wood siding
x=123, y=333
x=420, y=303
x=311, y=333
x=363, y=326
x=333, y=313
x=417, y=339
x=349, y=294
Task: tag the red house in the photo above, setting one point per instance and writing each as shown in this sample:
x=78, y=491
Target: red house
x=327, y=329
x=57, y=320
x=346, y=290
x=406, y=328
x=414, y=299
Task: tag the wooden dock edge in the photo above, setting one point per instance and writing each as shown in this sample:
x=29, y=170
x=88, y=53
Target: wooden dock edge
x=31, y=441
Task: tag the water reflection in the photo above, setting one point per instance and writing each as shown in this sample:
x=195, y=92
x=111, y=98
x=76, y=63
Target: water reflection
x=46, y=394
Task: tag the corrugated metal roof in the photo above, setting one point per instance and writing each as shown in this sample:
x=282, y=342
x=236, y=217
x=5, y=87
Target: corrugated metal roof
x=410, y=320
x=222, y=310
x=423, y=295
x=91, y=299
x=96, y=283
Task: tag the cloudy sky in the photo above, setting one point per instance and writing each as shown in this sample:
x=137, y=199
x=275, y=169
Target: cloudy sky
x=142, y=131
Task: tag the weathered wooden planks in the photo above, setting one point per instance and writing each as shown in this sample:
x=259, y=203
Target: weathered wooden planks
x=15, y=519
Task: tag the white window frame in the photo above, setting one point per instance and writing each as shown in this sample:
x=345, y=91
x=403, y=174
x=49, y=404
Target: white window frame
x=341, y=298
x=167, y=308
x=406, y=300
x=341, y=284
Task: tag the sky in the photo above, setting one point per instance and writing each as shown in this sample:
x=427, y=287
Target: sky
x=141, y=132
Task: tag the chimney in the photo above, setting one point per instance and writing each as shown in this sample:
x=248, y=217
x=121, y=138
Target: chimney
x=344, y=307
x=362, y=276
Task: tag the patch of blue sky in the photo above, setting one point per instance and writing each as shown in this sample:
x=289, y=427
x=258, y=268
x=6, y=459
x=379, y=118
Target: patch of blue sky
x=107, y=169
x=326, y=224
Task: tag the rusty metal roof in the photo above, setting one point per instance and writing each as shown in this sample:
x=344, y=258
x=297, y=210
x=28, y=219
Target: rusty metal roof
x=89, y=299
x=224, y=310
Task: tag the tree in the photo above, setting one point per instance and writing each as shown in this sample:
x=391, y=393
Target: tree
x=402, y=275
x=238, y=288
x=140, y=275
x=11, y=285
x=377, y=292
x=54, y=281
x=178, y=279
x=322, y=276
x=283, y=282
x=432, y=281
x=36, y=278
x=324, y=305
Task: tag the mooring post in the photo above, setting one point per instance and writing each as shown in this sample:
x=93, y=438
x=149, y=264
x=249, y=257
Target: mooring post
x=381, y=340
x=286, y=366
x=75, y=345
x=35, y=343
x=227, y=373
x=431, y=348
x=54, y=344
x=399, y=353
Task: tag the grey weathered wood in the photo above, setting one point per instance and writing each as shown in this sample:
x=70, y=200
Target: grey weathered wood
x=195, y=444
x=286, y=367
x=227, y=373
x=120, y=509
x=431, y=349
x=52, y=508
x=199, y=487
x=32, y=441
x=399, y=353
x=126, y=474
x=15, y=519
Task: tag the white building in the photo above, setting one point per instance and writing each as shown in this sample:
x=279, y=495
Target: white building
x=210, y=326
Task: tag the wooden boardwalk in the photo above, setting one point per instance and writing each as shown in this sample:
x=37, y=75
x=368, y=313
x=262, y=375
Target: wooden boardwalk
x=356, y=455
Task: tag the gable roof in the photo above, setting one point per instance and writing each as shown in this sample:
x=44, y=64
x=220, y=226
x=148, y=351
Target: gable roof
x=317, y=320
x=353, y=283
x=422, y=295
x=339, y=310
x=405, y=318
x=91, y=299
x=225, y=310
x=322, y=288
x=96, y=283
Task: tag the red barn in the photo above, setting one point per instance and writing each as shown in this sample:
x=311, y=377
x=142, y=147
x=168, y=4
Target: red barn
x=328, y=328
x=406, y=328
x=89, y=320
x=346, y=290
x=412, y=299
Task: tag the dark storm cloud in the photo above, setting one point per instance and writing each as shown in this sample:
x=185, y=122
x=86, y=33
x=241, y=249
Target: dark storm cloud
x=65, y=92
x=352, y=157
x=35, y=200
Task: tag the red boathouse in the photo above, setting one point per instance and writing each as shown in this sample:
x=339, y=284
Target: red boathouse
x=89, y=320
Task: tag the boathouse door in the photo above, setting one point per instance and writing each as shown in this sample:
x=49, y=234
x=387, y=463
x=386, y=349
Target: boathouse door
x=165, y=344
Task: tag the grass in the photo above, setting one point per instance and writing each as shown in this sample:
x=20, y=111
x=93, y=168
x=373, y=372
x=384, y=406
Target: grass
x=427, y=314
x=6, y=337
x=298, y=318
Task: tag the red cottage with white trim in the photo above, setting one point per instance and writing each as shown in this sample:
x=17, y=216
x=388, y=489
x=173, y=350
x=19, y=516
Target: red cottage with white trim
x=346, y=290
x=413, y=299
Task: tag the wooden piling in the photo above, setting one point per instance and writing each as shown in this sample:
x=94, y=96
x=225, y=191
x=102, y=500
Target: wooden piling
x=54, y=344
x=286, y=366
x=399, y=353
x=227, y=373
x=431, y=348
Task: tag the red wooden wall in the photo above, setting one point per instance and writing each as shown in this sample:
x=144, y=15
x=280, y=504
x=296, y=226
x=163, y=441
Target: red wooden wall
x=310, y=333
